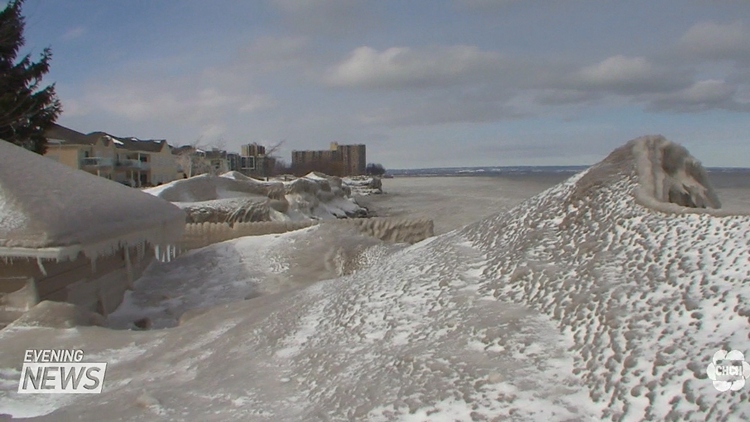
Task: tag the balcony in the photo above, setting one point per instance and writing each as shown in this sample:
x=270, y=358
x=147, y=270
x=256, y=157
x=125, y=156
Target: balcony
x=96, y=162
x=132, y=164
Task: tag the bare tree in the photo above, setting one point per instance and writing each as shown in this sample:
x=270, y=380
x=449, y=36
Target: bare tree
x=270, y=160
x=191, y=161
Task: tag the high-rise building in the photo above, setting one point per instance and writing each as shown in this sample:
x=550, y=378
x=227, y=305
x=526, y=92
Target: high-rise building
x=253, y=150
x=354, y=157
x=342, y=160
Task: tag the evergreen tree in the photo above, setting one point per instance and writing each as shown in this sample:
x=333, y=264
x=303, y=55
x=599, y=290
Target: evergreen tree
x=374, y=169
x=26, y=111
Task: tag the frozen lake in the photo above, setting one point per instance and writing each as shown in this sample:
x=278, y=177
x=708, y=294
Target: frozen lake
x=453, y=202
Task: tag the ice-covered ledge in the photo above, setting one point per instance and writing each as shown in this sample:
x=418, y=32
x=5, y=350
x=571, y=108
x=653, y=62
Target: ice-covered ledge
x=50, y=211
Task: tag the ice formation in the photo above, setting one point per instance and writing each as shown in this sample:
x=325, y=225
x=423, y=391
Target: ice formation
x=235, y=198
x=50, y=211
x=598, y=299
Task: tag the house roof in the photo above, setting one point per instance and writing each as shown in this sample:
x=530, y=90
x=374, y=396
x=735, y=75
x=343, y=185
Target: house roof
x=48, y=210
x=133, y=144
x=72, y=137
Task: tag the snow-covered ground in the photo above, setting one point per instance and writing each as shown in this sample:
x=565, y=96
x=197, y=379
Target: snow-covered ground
x=577, y=304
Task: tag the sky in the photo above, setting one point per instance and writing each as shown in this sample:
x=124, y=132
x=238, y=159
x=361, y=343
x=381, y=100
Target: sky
x=423, y=83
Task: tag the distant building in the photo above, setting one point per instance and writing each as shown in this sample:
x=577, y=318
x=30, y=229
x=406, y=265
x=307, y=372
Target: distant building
x=354, y=158
x=346, y=160
x=253, y=160
x=253, y=150
x=233, y=161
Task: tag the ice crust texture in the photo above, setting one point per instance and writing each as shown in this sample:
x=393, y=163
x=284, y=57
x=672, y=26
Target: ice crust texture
x=594, y=300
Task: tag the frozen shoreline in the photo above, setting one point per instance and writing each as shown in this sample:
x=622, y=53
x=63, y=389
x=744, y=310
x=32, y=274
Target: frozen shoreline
x=455, y=201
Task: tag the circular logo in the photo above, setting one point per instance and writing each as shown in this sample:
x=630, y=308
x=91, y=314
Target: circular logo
x=728, y=370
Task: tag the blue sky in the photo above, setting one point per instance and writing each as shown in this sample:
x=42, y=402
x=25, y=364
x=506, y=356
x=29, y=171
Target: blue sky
x=424, y=83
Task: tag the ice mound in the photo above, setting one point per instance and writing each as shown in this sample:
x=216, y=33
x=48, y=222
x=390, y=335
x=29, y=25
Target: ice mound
x=206, y=188
x=646, y=286
x=236, y=198
x=586, y=302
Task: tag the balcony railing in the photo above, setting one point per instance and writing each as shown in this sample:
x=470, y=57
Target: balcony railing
x=97, y=162
x=133, y=164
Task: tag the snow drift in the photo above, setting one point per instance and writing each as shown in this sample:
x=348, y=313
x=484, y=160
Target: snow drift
x=600, y=298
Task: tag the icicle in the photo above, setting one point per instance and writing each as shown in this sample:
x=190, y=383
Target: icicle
x=128, y=267
x=156, y=252
x=41, y=266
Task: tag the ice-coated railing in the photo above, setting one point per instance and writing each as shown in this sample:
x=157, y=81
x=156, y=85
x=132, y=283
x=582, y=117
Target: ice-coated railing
x=385, y=228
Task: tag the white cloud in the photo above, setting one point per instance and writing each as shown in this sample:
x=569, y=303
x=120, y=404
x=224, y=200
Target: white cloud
x=702, y=95
x=628, y=75
x=403, y=67
x=200, y=99
x=717, y=41
x=709, y=91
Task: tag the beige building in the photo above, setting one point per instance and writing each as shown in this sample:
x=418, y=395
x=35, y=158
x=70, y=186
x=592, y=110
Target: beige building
x=92, y=153
x=339, y=160
x=354, y=158
x=129, y=161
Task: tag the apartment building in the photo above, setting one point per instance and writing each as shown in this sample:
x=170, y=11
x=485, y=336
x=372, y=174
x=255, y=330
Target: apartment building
x=341, y=160
x=354, y=158
x=254, y=161
x=130, y=161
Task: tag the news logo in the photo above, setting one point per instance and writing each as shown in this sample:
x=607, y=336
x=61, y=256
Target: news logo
x=49, y=371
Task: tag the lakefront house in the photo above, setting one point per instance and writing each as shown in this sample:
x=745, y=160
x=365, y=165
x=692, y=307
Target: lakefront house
x=130, y=161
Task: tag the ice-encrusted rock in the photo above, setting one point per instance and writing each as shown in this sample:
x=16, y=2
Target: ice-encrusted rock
x=365, y=185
